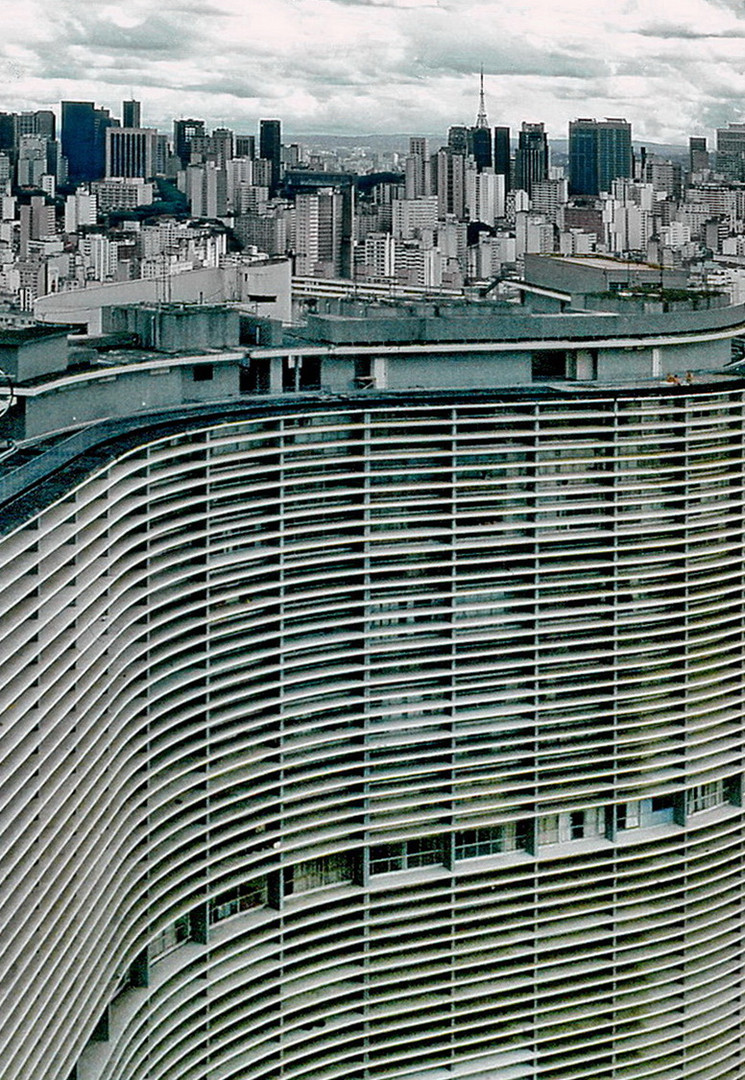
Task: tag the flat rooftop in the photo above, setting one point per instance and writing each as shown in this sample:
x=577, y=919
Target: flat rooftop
x=601, y=262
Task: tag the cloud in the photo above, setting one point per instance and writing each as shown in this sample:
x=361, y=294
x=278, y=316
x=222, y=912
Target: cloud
x=669, y=32
x=396, y=65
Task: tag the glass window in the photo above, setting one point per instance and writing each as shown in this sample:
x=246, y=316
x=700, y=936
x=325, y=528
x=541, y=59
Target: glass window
x=548, y=829
x=705, y=796
x=406, y=854
x=243, y=897
x=627, y=815
x=577, y=824
x=170, y=936
x=488, y=840
x=317, y=873
x=424, y=851
x=384, y=858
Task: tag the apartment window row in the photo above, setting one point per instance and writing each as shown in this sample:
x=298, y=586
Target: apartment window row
x=243, y=897
x=169, y=937
x=407, y=854
x=595, y=822
x=523, y=835
x=319, y=873
x=706, y=796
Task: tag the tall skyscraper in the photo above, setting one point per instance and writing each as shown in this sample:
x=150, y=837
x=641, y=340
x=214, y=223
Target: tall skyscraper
x=599, y=153
x=7, y=133
x=731, y=152
x=502, y=155
x=131, y=114
x=32, y=160
x=84, y=130
x=449, y=181
x=392, y=732
x=698, y=155
x=458, y=139
x=418, y=172
x=131, y=152
x=480, y=147
x=183, y=133
x=42, y=122
x=531, y=158
x=245, y=146
x=270, y=148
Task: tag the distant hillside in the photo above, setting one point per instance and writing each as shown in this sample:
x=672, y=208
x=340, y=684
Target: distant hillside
x=387, y=144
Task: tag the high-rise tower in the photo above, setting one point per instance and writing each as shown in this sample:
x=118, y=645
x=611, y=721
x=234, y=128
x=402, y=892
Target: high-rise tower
x=84, y=139
x=502, y=155
x=130, y=152
x=270, y=148
x=599, y=153
x=481, y=120
x=531, y=159
x=479, y=136
x=183, y=133
x=391, y=732
x=131, y=114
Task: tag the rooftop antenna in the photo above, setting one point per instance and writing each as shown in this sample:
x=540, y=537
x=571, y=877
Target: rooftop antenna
x=481, y=120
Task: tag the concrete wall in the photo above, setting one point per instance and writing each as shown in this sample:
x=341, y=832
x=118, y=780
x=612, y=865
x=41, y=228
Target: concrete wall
x=243, y=283
x=223, y=384
x=266, y=288
x=622, y=365
x=469, y=371
x=695, y=356
x=84, y=305
x=125, y=394
x=596, y=274
x=176, y=328
x=520, y=326
x=34, y=357
x=337, y=374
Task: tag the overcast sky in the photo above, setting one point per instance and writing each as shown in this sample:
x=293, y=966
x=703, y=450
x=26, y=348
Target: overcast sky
x=674, y=68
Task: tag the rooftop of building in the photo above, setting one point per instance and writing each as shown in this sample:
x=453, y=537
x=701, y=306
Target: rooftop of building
x=18, y=335
x=600, y=262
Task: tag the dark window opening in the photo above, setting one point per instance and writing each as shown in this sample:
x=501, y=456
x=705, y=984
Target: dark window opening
x=203, y=372
x=407, y=854
x=577, y=824
x=551, y=364
x=243, y=897
x=662, y=802
x=310, y=373
x=255, y=377
x=317, y=873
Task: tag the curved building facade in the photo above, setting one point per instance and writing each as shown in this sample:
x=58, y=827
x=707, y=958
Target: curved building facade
x=387, y=736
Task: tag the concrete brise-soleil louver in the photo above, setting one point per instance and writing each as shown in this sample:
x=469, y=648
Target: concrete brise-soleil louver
x=382, y=732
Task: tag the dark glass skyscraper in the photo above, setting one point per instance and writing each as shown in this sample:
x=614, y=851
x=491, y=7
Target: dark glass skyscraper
x=698, y=154
x=183, y=132
x=270, y=148
x=458, y=139
x=599, y=152
x=479, y=146
x=502, y=154
x=531, y=160
x=84, y=139
x=131, y=114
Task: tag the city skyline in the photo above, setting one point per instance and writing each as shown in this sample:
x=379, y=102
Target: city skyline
x=385, y=66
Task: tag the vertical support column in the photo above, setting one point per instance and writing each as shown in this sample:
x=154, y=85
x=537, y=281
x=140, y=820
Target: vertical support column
x=200, y=924
x=275, y=375
x=139, y=970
